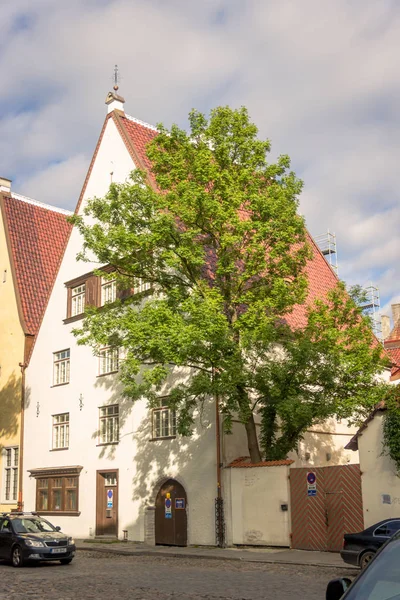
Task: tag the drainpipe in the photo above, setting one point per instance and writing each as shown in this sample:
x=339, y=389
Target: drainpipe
x=20, y=504
x=218, y=440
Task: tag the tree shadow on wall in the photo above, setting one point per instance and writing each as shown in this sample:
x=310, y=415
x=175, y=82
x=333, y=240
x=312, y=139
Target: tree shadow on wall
x=10, y=408
x=153, y=461
x=322, y=446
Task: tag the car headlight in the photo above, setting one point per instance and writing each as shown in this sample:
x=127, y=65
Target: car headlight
x=71, y=541
x=34, y=543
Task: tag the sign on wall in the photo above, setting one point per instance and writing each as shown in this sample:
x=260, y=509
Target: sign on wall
x=168, y=507
x=110, y=499
x=311, y=484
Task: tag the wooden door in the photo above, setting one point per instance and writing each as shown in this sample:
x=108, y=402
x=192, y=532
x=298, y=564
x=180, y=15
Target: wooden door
x=334, y=521
x=107, y=503
x=171, y=515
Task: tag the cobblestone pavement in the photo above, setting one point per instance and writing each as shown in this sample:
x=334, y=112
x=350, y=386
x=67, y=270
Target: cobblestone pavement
x=106, y=576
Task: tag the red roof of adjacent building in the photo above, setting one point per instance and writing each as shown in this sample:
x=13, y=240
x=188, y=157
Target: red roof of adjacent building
x=37, y=236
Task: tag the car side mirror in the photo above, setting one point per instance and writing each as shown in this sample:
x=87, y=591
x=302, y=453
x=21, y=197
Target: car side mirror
x=58, y=528
x=337, y=587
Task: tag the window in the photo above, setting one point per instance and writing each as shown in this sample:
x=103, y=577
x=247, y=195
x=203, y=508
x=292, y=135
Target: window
x=10, y=474
x=109, y=424
x=108, y=360
x=140, y=285
x=108, y=291
x=57, y=494
x=78, y=300
x=60, y=431
x=164, y=422
x=61, y=367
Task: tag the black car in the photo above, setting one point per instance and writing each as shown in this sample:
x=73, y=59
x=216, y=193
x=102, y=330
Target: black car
x=27, y=537
x=379, y=581
x=360, y=548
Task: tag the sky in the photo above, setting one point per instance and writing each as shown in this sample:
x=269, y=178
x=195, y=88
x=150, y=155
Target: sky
x=321, y=80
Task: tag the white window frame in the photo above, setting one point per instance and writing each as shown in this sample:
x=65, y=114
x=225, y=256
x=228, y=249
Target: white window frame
x=109, y=424
x=61, y=367
x=60, y=431
x=10, y=456
x=108, y=360
x=139, y=285
x=108, y=291
x=78, y=294
x=164, y=423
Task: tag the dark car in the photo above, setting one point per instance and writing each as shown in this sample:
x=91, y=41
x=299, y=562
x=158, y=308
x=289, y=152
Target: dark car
x=27, y=537
x=360, y=548
x=379, y=581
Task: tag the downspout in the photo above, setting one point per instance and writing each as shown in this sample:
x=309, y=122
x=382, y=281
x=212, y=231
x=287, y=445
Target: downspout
x=20, y=504
x=218, y=441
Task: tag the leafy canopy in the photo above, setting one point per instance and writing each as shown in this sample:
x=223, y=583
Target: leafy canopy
x=215, y=230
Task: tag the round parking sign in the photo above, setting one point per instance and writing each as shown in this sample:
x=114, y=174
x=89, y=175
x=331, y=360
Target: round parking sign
x=311, y=478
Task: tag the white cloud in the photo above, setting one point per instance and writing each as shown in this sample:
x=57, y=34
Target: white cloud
x=320, y=79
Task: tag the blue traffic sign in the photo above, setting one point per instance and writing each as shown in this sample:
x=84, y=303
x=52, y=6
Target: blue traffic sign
x=312, y=493
x=311, y=478
x=110, y=494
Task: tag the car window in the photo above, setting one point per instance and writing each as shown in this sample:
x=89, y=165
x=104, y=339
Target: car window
x=32, y=525
x=381, y=580
x=393, y=526
x=382, y=530
x=5, y=525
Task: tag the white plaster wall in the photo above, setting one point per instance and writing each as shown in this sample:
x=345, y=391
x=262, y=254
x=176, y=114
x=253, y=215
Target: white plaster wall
x=329, y=438
x=257, y=494
x=379, y=475
x=141, y=463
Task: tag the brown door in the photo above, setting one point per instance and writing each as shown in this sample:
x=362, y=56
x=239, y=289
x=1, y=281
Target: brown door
x=171, y=516
x=334, y=521
x=333, y=508
x=107, y=503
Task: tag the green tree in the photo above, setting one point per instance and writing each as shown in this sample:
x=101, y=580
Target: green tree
x=216, y=232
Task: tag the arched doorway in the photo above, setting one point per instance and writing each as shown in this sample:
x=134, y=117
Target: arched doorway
x=171, y=516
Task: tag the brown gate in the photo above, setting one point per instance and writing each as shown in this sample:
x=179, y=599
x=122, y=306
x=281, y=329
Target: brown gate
x=107, y=503
x=323, y=511
x=171, y=516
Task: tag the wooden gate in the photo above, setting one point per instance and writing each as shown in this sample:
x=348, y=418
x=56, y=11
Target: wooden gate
x=171, y=516
x=324, y=511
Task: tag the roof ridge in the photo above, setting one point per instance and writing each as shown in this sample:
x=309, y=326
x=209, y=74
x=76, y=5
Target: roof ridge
x=139, y=122
x=28, y=200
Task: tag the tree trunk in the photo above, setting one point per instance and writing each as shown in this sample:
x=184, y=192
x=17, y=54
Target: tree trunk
x=252, y=441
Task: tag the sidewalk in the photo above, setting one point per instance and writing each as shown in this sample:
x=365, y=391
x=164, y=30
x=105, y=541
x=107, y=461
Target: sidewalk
x=282, y=556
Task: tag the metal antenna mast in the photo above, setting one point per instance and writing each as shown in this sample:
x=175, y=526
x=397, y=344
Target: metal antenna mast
x=117, y=78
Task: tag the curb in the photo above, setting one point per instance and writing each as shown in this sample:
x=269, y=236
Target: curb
x=213, y=557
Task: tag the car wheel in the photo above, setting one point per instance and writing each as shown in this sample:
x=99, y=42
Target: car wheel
x=16, y=557
x=366, y=558
x=66, y=561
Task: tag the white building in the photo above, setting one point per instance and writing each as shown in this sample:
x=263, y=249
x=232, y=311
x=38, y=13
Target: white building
x=94, y=462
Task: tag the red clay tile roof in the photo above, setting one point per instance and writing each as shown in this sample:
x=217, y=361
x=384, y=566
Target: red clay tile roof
x=244, y=462
x=394, y=334
x=37, y=237
x=140, y=135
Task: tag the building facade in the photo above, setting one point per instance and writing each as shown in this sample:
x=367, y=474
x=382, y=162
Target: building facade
x=101, y=465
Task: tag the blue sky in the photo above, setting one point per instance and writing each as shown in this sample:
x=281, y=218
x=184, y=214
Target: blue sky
x=320, y=79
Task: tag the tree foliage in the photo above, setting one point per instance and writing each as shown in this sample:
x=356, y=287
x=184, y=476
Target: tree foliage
x=217, y=234
x=391, y=426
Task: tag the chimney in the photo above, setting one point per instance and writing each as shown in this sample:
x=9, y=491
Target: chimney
x=5, y=185
x=115, y=102
x=385, y=320
x=396, y=314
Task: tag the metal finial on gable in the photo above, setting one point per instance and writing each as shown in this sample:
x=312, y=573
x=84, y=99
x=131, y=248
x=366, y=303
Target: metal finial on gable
x=117, y=78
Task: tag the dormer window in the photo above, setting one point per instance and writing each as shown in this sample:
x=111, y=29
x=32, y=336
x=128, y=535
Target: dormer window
x=78, y=300
x=108, y=291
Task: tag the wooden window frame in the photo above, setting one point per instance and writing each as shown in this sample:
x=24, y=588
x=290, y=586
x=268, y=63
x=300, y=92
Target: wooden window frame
x=67, y=360
x=171, y=425
x=101, y=358
x=59, y=426
x=50, y=475
x=105, y=418
x=13, y=470
x=104, y=283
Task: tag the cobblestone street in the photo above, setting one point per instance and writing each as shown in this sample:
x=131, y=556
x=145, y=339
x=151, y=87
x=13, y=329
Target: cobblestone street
x=94, y=575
